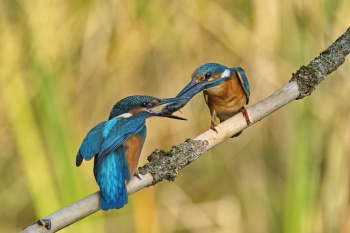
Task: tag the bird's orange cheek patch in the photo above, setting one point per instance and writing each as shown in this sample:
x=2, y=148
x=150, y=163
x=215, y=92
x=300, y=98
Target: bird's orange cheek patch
x=136, y=110
x=154, y=102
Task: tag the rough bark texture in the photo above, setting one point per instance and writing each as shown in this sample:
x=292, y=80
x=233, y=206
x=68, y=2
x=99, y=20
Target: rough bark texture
x=166, y=164
x=308, y=77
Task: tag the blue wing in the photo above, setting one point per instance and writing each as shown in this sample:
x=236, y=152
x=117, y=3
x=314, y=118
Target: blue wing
x=110, y=175
x=118, y=133
x=243, y=80
x=91, y=144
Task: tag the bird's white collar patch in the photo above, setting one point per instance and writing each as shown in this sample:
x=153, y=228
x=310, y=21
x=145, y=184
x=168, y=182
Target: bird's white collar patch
x=124, y=115
x=226, y=73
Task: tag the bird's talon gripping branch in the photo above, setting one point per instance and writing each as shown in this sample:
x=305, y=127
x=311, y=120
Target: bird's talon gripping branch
x=212, y=127
x=45, y=223
x=245, y=114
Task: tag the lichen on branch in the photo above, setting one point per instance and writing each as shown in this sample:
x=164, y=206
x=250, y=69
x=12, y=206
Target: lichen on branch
x=166, y=164
x=308, y=77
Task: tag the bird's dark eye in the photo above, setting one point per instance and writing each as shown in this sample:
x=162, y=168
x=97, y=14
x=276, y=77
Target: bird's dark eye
x=207, y=76
x=144, y=104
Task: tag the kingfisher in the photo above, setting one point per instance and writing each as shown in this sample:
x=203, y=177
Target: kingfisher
x=226, y=92
x=116, y=146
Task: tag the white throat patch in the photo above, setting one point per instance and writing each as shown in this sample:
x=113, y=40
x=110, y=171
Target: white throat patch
x=124, y=115
x=226, y=73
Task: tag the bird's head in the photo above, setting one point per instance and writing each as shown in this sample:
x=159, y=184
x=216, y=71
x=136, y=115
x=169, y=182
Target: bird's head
x=135, y=104
x=204, y=77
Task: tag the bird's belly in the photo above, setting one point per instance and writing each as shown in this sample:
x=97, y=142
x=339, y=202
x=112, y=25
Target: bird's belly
x=225, y=113
x=134, y=146
x=226, y=109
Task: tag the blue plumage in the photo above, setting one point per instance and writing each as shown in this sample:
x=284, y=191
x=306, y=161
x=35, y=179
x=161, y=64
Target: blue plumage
x=111, y=171
x=109, y=143
x=121, y=131
x=91, y=144
x=111, y=175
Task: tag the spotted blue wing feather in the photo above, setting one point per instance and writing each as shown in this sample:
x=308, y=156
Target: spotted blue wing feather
x=91, y=144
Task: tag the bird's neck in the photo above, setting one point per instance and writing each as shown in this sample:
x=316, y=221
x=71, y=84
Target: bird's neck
x=125, y=115
x=135, y=114
x=130, y=113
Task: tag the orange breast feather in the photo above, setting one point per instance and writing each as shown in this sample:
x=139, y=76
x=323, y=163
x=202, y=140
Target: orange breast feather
x=134, y=145
x=226, y=99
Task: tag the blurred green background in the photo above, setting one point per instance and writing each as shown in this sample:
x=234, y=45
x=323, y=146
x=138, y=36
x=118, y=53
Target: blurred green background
x=63, y=64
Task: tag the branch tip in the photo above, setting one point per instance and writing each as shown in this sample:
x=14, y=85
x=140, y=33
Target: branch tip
x=308, y=77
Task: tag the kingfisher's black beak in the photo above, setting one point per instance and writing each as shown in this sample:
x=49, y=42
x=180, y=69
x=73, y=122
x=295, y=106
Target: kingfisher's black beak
x=191, y=84
x=190, y=90
x=160, y=114
x=169, y=100
x=165, y=101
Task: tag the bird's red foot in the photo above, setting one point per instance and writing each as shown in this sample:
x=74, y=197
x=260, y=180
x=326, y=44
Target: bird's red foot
x=212, y=127
x=245, y=114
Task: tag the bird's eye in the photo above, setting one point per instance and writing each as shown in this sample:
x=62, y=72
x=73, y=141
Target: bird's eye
x=207, y=76
x=144, y=104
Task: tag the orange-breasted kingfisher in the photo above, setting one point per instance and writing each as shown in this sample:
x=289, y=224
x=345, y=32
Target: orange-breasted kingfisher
x=226, y=92
x=116, y=145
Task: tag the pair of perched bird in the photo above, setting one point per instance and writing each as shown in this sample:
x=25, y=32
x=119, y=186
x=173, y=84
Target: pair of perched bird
x=116, y=144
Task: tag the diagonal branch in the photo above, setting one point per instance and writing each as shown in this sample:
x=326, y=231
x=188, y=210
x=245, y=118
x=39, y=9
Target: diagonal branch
x=165, y=165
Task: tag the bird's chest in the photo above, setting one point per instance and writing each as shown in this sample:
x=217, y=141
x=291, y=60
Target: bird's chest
x=134, y=146
x=226, y=99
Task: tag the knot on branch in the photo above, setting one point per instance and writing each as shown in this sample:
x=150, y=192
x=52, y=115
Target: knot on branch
x=306, y=80
x=166, y=164
x=308, y=77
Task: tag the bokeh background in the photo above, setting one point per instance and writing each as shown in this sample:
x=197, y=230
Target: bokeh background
x=63, y=64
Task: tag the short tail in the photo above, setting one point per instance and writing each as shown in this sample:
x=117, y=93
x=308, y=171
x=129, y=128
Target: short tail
x=120, y=201
x=111, y=175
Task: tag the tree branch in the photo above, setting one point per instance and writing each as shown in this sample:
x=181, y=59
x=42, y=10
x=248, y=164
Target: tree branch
x=165, y=165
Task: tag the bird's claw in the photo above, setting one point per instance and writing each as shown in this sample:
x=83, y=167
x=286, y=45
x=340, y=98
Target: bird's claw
x=245, y=114
x=212, y=127
x=45, y=223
